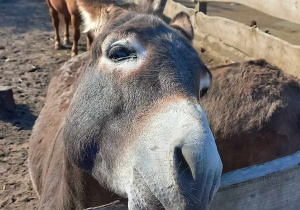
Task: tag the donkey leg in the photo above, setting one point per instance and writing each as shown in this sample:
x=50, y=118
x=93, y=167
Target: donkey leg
x=76, y=33
x=66, y=34
x=55, y=23
x=89, y=40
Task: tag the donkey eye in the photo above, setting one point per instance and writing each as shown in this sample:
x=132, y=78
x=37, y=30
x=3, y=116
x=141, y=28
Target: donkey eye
x=120, y=53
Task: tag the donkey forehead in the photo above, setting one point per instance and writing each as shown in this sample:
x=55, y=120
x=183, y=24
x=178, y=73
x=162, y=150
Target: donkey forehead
x=147, y=30
x=136, y=22
x=159, y=47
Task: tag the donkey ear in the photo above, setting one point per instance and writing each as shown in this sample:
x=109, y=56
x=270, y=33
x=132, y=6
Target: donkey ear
x=96, y=13
x=183, y=24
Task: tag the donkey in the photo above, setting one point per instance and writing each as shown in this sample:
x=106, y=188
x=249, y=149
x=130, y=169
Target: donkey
x=69, y=9
x=128, y=121
x=254, y=113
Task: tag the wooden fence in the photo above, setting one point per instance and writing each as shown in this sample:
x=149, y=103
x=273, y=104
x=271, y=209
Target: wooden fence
x=269, y=186
x=283, y=9
x=250, y=41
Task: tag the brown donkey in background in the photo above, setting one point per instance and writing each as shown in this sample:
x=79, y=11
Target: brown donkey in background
x=69, y=9
x=254, y=113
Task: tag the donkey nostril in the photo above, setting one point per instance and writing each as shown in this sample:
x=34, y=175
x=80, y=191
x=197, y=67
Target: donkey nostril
x=203, y=92
x=184, y=163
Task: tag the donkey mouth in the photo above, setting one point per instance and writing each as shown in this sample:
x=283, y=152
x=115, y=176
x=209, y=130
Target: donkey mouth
x=147, y=191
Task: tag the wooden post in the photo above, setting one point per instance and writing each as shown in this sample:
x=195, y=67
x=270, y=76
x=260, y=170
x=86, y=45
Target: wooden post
x=201, y=7
x=7, y=98
x=159, y=6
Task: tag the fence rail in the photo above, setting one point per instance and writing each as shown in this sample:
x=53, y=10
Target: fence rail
x=272, y=185
x=283, y=9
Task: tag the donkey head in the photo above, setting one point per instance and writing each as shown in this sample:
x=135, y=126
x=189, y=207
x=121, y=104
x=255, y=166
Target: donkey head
x=134, y=122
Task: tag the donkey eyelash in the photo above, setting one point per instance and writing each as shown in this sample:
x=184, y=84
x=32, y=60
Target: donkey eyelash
x=120, y=53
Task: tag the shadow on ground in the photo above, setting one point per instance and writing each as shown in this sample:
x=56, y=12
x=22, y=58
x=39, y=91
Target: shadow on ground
x=20, y=116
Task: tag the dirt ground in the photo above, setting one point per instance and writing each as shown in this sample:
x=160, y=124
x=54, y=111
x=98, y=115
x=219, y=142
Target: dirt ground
x=27, y=61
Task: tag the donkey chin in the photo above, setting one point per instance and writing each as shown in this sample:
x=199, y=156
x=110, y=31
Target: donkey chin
x=174, y=164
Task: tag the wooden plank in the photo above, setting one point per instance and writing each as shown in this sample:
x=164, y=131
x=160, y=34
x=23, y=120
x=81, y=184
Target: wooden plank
x=276, y=187
x=284, y=9
x=250, y=41
x=265, y=169
x=201, y=7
